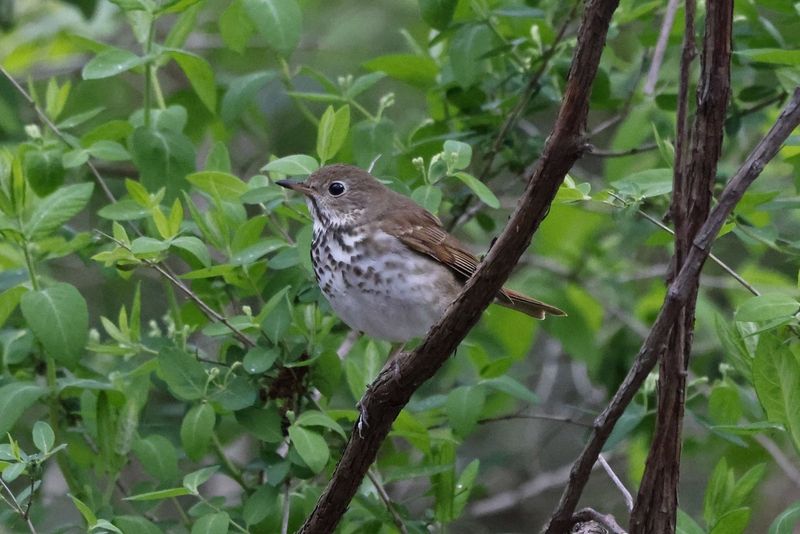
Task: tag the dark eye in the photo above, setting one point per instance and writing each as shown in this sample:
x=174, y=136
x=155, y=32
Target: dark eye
x=336, y=188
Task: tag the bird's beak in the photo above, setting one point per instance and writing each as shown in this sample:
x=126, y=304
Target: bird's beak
x=300, y=187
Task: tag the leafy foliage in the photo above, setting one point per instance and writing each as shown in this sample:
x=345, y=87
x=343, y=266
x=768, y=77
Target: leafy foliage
x=157, y=302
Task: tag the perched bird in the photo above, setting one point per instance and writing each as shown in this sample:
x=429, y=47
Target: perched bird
x=384, y=263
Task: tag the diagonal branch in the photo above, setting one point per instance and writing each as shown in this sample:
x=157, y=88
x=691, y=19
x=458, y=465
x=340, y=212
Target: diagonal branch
x=390, y=392
x=677, y=296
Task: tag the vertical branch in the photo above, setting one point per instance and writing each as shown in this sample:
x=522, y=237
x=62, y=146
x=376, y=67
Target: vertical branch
x=696, y=156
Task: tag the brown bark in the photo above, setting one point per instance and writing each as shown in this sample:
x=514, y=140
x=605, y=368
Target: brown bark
x=657, y=502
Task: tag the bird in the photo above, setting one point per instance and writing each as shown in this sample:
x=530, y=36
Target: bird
x=385, y=264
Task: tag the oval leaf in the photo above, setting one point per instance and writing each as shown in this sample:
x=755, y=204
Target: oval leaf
x=59, y=319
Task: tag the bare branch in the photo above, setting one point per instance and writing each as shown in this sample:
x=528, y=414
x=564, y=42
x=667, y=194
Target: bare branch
x=677, y=295
x=661, y=47
x=387, y=501
x=617, y=482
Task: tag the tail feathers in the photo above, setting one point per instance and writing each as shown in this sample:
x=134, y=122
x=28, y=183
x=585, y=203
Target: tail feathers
x=527, y=305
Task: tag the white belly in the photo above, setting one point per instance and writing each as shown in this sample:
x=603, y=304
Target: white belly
x=389, y=295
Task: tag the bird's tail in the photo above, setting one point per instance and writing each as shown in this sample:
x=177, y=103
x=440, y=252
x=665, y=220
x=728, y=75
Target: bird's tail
x=527, y=305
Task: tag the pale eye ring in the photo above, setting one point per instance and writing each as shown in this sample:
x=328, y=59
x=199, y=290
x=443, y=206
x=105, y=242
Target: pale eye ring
x=336, y=188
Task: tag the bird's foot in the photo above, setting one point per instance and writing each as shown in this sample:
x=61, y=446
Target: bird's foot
x=361, y=421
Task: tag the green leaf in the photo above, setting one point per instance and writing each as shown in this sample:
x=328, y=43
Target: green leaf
x=716, y=492
x=296, y=165
x=776, y=374
x=311, y=447
x=332, y=132
x=259, y=360
x=479, y=188
x=278, y=21
x=158, y=495
x=363, y=83
x=765, y=308
x=265, y=424
x=15, y=398
x=135, y=523
x=184, y=375
x=43, y=437
x=235, y=26
x=457, y=154
x=464, y=485
x=86, y=512
x=53, y=211
x=9, y=299
x=418, y=71
x=776, y=56
x=277, y=321
x=785, y=523
x=733, y=522
x=262, y=503
x=59, y=319
x=464, y=406
x=221, y=185
x=687, y=525
x=193, y=246
x=371, y=139
x=467, y=49
x=437, y=13
x=645, y=184
x=237, y=394
x=200, y=75
x=428, y=196
x=196, y=430
x=164, y=157
x=241, y=92
x=216, y=523
x=111, y=62
x=195, y=479
x=109, y=151
x=317, y=418
x=158, y=458
x=44, y=170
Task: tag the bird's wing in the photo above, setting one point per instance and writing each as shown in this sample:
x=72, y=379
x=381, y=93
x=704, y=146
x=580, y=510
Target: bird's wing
x=422, y=232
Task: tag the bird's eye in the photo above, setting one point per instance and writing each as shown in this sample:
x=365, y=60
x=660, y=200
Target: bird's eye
x=336, y=188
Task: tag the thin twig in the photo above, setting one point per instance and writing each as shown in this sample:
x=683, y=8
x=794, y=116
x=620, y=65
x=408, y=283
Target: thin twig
x=661, y=47
x=725, y=267
x=286, y=509
x=234, y=472
x=536, y=416
x=387, y=501
x=617, y=482
x=17, y=507
x=599, y=153
x=506, y=500
x=789, y=469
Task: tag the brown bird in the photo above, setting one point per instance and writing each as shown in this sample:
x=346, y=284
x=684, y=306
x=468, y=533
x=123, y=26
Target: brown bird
x=384, y=263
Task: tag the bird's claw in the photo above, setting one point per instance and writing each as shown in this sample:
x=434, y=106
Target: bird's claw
x=361, y=422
